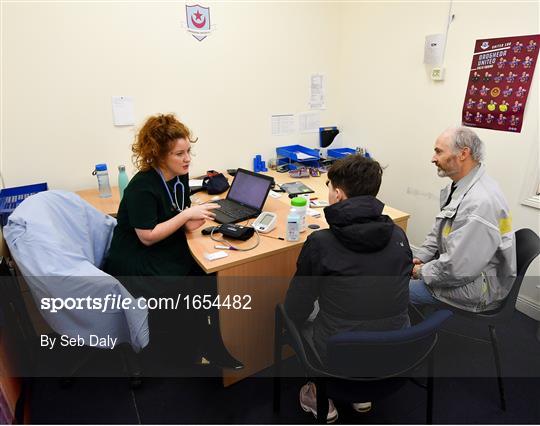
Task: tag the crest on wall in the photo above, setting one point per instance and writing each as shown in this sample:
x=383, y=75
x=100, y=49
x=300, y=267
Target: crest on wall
x=198, y=21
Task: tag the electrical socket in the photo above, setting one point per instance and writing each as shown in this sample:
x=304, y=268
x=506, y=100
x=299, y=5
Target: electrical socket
x=437, y=74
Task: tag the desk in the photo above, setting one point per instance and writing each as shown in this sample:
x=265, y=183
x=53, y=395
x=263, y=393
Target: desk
x=263, y=273
x=106, y=205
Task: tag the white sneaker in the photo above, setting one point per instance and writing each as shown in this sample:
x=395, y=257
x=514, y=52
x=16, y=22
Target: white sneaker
x=361, y=407
x=308, y=402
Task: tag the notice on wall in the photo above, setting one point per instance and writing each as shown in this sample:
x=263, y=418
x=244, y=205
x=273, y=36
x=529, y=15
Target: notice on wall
x=309, y=122
x=316, y=91
x=499, y=81
x=283, y=124
x=123, y=111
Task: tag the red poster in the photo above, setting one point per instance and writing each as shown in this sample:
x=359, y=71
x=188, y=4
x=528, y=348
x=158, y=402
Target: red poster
x=499, y=81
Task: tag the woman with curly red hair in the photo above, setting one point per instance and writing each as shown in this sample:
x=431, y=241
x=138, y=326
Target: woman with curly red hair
x=154, y=215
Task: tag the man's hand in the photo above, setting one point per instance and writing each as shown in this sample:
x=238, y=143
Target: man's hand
x=416, y=261
x=417, y=270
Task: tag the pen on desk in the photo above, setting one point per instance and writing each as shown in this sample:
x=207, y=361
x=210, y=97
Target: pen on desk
x=271, y=236
x=220, y=247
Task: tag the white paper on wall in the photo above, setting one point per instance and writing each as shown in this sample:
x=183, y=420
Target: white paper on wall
x=123, y=110
x=316, y=92
x=283, y=124
x=309, y=121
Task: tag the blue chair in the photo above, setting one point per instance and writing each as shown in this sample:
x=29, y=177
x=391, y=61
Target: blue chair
x=361, y=365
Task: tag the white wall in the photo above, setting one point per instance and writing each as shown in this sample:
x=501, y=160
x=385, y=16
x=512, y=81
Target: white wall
x=389, y=103
x=62, y=62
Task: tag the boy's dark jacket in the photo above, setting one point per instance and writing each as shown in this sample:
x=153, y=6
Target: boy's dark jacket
x=359, y=271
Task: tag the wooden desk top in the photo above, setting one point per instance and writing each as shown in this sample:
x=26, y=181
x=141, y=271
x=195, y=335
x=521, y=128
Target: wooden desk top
x=106, y=205
x=200, y=244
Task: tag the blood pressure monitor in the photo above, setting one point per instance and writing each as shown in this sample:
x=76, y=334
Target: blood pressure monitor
x=265, y=222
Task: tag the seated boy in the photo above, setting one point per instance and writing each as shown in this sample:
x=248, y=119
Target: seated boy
x=358, y=270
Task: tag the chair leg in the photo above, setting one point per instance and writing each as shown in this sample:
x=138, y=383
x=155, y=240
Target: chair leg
x=132, y=364
x=429, y=404
x=20, y=406
x=416, y=313
x=277, y=362
x=322, y=400
x=495, y=346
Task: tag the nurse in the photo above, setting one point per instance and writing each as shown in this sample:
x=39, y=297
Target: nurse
x=149, y=251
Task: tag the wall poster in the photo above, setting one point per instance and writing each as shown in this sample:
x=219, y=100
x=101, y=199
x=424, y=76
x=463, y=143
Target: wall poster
x=499, y=81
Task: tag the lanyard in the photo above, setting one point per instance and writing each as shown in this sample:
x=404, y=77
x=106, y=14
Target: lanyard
x=174, y=206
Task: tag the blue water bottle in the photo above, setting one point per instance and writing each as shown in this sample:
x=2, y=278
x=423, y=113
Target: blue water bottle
x=103, y=180
x=123, y=180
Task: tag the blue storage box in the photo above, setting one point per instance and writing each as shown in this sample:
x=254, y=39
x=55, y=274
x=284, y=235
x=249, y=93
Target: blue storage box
x=340, y=152
x=10, y=198
x=297, y=154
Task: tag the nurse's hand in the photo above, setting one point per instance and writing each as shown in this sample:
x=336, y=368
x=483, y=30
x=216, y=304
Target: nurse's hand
x=202, y=211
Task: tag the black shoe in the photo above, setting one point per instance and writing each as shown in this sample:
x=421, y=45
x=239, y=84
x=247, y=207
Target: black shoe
x=222, y=358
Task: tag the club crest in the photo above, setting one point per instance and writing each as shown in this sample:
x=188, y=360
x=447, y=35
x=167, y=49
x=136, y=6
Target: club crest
x=198, y=21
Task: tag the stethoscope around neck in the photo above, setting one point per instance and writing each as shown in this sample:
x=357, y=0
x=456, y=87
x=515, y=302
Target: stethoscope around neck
x=175, y=206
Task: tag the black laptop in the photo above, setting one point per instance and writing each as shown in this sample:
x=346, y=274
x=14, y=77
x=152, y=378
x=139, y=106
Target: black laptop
x=245, y=198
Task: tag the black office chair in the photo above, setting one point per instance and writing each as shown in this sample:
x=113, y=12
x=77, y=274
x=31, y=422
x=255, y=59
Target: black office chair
x=527, y=249
x=379, y=362
x=17, y=334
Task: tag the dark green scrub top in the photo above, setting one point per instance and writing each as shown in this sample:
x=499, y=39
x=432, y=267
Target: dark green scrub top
x=146, y=204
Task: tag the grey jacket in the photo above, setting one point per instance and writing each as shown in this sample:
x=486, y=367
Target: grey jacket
x=470, y=254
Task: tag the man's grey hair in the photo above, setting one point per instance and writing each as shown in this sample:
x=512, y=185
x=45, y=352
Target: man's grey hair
x=463, y=137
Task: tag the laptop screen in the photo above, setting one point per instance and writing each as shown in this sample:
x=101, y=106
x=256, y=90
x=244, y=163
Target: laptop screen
x=250, y=189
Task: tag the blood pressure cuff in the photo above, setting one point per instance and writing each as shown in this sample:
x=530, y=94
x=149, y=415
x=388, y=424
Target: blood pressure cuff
x=215, y=182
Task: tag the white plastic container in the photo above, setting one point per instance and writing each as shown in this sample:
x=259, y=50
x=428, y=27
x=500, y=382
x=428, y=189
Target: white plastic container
x=299, y=204
x=293, y=226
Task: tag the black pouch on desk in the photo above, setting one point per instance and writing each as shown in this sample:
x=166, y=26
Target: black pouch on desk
x=215, y=183
x=237, y=232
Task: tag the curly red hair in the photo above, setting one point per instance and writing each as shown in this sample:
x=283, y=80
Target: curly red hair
x=154, y=140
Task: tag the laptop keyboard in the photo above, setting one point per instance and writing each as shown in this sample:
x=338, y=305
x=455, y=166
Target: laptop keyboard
x=233, y=210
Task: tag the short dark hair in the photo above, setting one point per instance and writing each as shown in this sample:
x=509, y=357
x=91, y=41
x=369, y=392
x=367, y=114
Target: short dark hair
x=356, y=175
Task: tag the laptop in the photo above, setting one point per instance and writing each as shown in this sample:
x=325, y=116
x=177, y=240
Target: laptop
x=245, y=199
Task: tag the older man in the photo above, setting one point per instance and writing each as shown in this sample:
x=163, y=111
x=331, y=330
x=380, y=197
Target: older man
x=468, y=260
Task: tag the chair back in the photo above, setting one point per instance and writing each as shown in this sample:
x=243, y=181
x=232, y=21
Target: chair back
x=527, y=249
x=64, y=230
x=59, y=242
x=379, y=355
